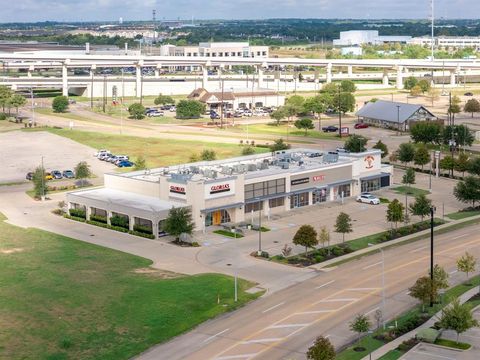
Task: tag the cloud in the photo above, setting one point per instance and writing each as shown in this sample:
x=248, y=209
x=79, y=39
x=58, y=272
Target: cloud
x=74, y=10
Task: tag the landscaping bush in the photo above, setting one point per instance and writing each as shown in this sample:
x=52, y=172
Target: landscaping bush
x=142, y=229
x=337, y=251
x=98, y=223
x=407, y=345
x=428, y=335
x=74, y=218
x=98, y=218
x=322, y=252
x=319, y=258
x=142, y=234
x=119, y=221
x=3, y=116
x=78, y=213
x=118, y=228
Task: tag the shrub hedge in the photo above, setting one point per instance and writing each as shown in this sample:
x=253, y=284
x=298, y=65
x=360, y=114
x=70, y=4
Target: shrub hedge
x=79, y=213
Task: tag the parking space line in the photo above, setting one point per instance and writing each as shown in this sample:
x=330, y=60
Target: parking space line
x=273, y=307
x=326, y=284
x=453, y=272
x=433, y=355
x=214, y=336
x=372, y=265
x=288, y=326
x=459, y=236
x=337, y=300
x=418, y=249
x=314, y=312
x=362, y=289
x=373, y=310
x=241, y=356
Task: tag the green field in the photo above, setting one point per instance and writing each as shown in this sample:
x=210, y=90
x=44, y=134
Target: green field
x=65, y=299
x=157, y=152
x=410, y=190
x=462, y=214
x=281, y=131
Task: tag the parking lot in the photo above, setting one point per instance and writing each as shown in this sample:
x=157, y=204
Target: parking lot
x=22, y=152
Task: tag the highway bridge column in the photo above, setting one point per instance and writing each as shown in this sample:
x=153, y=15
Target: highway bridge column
x=399, y=77
x=260, y=76
x=350, y=71
x=219, y=72
x=385, y=77
x=64, y=79
x=329, y=73
x=92, y=74
x=138, y=87
x=204, y=76
x=30, y=69
x=157, y=70
x=453, y=80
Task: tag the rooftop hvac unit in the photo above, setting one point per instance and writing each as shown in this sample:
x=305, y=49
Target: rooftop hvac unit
x=263, y=166
x=330, y=157
x=195, y=169
x=252, y=167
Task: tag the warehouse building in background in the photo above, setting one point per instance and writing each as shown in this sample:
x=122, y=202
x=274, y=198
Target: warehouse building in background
x=235, y=190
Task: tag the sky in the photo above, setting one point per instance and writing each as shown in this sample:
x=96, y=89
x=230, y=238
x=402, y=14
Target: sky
x=112, y=10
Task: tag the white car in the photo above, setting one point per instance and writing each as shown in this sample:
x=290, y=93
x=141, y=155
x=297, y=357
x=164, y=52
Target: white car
x=368, y=199
x=101, y=152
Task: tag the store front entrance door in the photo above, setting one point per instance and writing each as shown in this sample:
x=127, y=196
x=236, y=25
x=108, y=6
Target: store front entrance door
x=217, y=218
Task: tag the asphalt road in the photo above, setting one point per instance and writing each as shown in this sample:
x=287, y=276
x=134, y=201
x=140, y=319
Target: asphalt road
x=283, y=326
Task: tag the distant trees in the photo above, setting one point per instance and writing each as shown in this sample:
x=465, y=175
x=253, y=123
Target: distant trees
x=355, y=143
x=406, y=152
x=324, y=236
x=348, y=86
x=60, y=104
x=343, y=225
x=472, y=106
x=82, y=172
x=306, y=236
x=424, y=85
x=39, y=183
x=454, y=107
x=304, y=124
x=189, y=109
x=424, y=290
x=361, y=324
x=410, y=83
x=381, y=146
x=208, y=155
x=136, y=111
x=163, y=100
x=278, y=115
x=426, y=132
x=279, y=145
x=468, y=190
x=17, y=101
x=140, y=163
x=421, y=156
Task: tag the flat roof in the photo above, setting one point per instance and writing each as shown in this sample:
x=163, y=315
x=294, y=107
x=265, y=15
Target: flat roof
x=127, y=199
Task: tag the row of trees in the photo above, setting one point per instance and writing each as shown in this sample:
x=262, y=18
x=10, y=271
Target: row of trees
x=428, y=132
x=9, y=100
x=185, y=109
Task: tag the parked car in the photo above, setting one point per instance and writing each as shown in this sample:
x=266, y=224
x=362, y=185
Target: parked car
x=214, y=115
x=173, y=108
x=48, y=176
x=68, y=174
x=104, y=156
x=165, y=107
x=360, y=126
x=120, y=158
x=56, y=174
x=368, y=199
x=330, y=128
x=101, y=152
x=155, y=113
x=247, y=113
x=342, y=151
x=29, y=176
x=468, y=94
x=125, y=163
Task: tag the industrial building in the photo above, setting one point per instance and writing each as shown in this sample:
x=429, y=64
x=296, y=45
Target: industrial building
x=216, y=50
x=235, y=190
x=360, y=37
x=394, y=115
x=448, y=42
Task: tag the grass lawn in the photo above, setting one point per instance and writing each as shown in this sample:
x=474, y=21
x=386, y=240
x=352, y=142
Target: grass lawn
x=65, y=115
x=281, y=131
x=65, y=299
x=157, y=152
x=463, y=214
x=228, y=234
x=410, y=190
x=453, y=344
x=6, y=125
x=392, y=355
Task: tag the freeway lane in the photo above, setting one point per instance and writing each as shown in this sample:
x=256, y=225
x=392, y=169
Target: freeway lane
x=283, y=325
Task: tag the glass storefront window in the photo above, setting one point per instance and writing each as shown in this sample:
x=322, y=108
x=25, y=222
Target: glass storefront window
x=256, y=206
x=265, y=188
x=345, y=189
x=319, y=196
x=217, y=217
x=299, y=200
x=371, y=185
x=277, y=202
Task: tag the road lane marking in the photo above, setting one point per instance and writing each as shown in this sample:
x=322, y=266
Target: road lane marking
x=241, y=356
x=288, y=326
x=273, y=307
x=453, y=272
x=336, y=300
x=314, y=312
x=362, y=289
x=373, y=310
x=326, y=284
x=261, y=341
x=432, y=355
x=372, y=265
x=459, y=236
x=419, y=249
x=214, y=336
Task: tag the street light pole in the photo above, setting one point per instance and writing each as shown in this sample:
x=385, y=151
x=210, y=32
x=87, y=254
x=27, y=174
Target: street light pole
x=432, y=212
x=260, y=231
x=383, y=286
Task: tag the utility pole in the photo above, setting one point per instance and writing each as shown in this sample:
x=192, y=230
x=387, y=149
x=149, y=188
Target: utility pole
x=154, y=12
x=221, y=107
x=43, y=181
x=339, y=113
x=104, y=92
x=433, y=26
x=432, y=212
x=260, y=230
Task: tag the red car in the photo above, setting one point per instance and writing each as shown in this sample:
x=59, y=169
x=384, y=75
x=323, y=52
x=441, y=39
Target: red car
x=361, y=126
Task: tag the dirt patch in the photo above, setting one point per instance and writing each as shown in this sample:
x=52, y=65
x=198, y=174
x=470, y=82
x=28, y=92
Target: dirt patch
x=157, y=273
x=10, y=251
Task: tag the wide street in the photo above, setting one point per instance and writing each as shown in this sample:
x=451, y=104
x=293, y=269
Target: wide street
x=283, y=325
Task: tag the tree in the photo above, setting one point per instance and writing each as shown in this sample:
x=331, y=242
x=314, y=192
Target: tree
x=416, y=90
x=421, y=156
x=343, y=225
x=474, y=165
x=426, y=132
x=344, y=102
x=348, y=86
x=178, y=222
x=295, y=101
x=278, y=115
x=208, y=155
x=406, y=152
x=82, y=172
x=39, y=183
x=164, y=99
x=454, y=107
x=331, y=88
x=381, y=146
x=189, y=109
x=324, y=236
x=409, y=177
x=440, y=276
x=60, y=104
x=361, y=324
x=248, y=150
x=468, y=190
x=279, y=145
x=136, y=111
x=472, y=106
x=306, y=124
x=447, y=163
x=421, y=206
x=424, y=85
x=5, y=95
x=322, y=349
x=457, y=317
x=315, y=105
x=461, y=134
x=306, y=236
x=433, y=95
x=355, y=143
x=462, y=163
x=424, y=290
x=395, y=212
x=466, y=263
x=140, y=163
x=17, y=101
x=410, y=83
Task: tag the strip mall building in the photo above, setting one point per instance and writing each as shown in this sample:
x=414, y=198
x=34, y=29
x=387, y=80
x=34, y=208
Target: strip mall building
x=230, y=191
